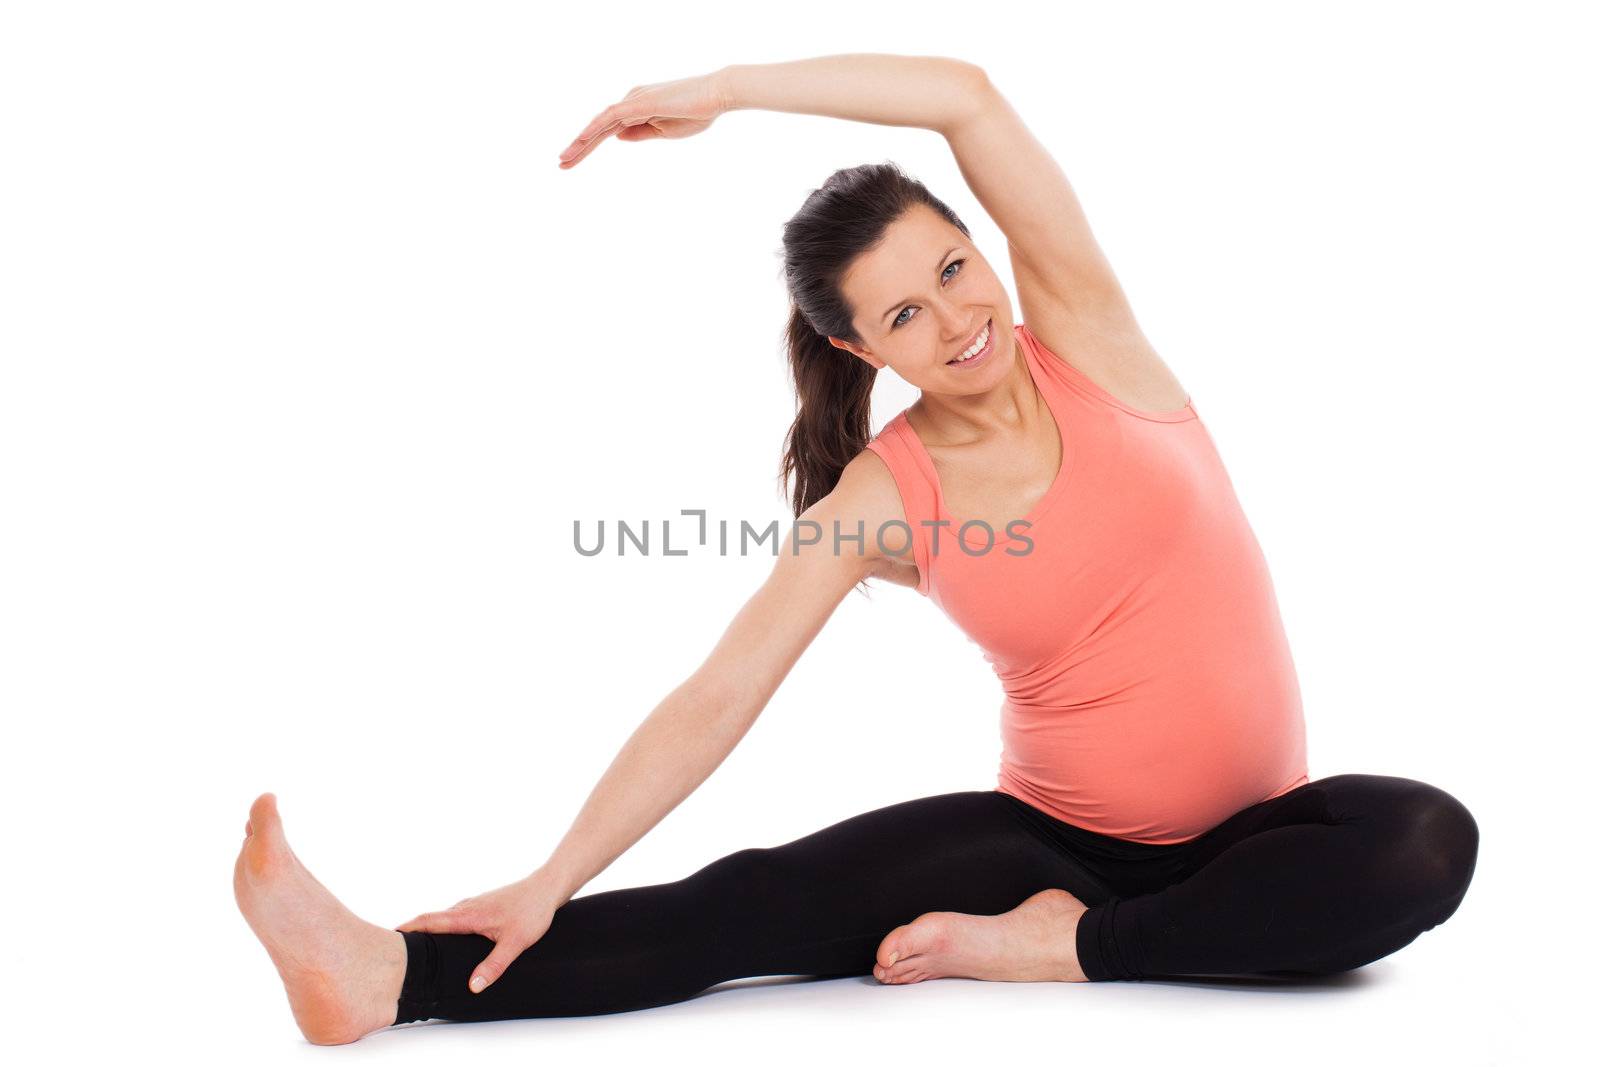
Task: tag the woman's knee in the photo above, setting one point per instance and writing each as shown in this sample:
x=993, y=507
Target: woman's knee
x=1426, y=843
x=753, y=871
x=1443, y=839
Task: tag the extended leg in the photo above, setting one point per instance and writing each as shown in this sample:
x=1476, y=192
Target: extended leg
x=1325, y=878
x=818, y=905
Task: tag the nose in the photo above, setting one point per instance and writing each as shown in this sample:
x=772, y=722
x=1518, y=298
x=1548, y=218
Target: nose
x=960, y=323
x=969, y=325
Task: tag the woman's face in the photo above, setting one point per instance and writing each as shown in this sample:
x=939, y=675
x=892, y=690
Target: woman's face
x=921, y=299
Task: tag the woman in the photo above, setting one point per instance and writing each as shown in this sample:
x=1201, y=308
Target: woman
x=1054, y=490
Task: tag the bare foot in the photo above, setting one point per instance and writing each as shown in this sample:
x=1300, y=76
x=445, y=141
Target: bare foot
x=1034, y=942
x=343, y=975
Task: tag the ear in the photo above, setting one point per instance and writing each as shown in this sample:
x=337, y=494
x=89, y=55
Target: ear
x=853, y=350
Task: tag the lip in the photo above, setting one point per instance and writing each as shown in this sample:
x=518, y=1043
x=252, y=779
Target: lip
x=981, y=357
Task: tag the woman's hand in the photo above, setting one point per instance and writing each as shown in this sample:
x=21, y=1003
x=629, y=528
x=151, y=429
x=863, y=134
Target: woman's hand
x=513, y=917
x=666, y=109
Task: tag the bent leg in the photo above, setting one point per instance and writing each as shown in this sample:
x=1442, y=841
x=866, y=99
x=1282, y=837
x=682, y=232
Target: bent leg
x=1328, y=877
x=818, y=905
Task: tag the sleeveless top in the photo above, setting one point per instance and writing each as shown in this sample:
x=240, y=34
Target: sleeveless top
x=1149, y=688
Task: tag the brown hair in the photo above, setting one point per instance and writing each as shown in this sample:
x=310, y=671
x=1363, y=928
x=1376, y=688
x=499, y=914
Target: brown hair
x=849, y=215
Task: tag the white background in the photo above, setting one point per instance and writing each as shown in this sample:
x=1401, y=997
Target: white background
x=312, y=355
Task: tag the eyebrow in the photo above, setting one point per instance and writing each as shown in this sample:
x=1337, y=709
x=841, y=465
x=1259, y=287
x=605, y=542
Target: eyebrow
x=907, y=300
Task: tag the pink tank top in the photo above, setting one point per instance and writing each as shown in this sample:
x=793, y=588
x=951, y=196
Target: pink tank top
x=1149, y=688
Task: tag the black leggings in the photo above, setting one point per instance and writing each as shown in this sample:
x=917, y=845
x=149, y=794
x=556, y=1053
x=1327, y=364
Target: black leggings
x=1325, y=878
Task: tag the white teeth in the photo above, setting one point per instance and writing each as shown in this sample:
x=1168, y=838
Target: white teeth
x=977, y=346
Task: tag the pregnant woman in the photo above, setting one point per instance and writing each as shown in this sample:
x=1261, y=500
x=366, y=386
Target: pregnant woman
x=1056, y=493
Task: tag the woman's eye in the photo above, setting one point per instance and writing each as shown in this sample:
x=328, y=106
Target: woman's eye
x=944, y=276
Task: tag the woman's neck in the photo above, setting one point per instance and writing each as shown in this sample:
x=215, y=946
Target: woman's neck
x=1012, y=408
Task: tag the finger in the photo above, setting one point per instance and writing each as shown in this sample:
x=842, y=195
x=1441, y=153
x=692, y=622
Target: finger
x=439, y=922
x=611, y=116
x=576, y=151
x=495, y=964
x=614, y=118
x=642, y=132
x=598, y=127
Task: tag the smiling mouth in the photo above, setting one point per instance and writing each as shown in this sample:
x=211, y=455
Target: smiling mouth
x=986, y=336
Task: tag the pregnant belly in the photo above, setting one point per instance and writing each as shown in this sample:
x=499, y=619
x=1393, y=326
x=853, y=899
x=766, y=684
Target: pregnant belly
x=1151, y=766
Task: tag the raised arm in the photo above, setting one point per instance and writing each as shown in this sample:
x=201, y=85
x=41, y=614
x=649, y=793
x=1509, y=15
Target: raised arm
x=1069, y=295
x=1053, y=251
x=1008, y=170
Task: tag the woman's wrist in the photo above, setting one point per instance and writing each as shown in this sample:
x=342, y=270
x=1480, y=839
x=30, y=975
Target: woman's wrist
x=722, y=84
x=551, y=884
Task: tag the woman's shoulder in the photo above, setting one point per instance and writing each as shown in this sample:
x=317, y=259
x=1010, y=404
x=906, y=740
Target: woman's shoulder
x=1110, y=360
x=869, y=488
x=870, y=500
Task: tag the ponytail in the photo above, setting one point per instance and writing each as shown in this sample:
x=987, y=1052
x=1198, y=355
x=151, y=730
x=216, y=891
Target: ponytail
x=833, y=412
x=846, y=217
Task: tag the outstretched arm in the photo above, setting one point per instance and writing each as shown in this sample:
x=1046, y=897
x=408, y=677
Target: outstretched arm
x=699, y=723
